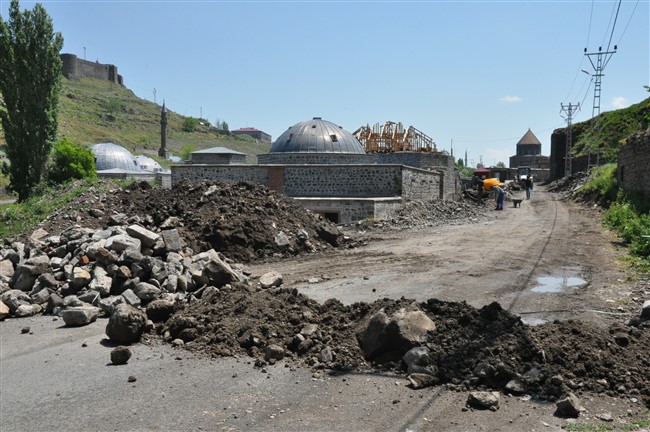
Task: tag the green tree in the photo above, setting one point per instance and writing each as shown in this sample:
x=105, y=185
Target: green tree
x=501, y=164
x=186, y=151
x=190, y=124
x=460, y=163
x=224, y=126
x=70, y=161
x=30, y=82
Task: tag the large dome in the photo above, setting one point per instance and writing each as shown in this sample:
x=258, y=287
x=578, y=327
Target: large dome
x=317, y=136
x=112, y=156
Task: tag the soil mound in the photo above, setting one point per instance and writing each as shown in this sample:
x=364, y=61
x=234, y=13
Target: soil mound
x=470, y=348
x=243, y=221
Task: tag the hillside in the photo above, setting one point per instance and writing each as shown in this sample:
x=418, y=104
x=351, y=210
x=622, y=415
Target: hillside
x=94, y=111
x=606, y=132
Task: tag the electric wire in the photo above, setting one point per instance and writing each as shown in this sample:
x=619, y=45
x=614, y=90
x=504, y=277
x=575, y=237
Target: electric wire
x=611, y=17
x=628, y=22
x=614, y=26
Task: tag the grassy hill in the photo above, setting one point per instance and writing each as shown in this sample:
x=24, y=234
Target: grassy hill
x=606, y=132
x=93, y=111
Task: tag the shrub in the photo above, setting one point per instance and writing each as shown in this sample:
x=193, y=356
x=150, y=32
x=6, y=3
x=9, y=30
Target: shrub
x=70, y=161
x=632, y=226
x=190, y=124
x=602, y=185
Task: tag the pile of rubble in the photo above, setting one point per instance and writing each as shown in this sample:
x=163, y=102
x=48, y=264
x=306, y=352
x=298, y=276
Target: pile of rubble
x=421, y=214
x=245, y=221
x=568, y=186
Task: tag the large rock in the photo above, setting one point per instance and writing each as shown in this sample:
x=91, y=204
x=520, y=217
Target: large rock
x=4, y=310
x=80, y=278
x=6, y=268
x=146, y=291
x=80, y=316
x=568, y=407
x=394, y=335
x=160, y=310
x=121, y=242
x=126, y=324
x=120, y=355
x=148, y=238
x=271, y=279
x=483, y=400
x=15, y=298
x=172, y=240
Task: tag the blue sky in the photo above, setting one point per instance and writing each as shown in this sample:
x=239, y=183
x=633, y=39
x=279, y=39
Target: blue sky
x=478, y=73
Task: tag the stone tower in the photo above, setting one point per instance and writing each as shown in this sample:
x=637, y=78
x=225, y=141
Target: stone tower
x=162, y=152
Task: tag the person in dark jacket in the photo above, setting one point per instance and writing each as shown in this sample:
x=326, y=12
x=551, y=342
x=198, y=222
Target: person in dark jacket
x=529, y=186
x=500, y=196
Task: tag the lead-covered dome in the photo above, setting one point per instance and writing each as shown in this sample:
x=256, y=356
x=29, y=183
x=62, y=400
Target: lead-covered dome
x=317, y=136
x=112, y=156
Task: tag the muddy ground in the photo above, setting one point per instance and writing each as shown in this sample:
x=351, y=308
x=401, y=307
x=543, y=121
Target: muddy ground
x=539, y=287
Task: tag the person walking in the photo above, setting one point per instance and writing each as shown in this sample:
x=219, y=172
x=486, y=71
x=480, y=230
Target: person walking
x=500, y=197
x=529, y=186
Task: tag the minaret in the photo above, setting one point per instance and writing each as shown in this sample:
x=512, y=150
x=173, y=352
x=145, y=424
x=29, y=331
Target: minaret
x=162, y=152
x=465, y=157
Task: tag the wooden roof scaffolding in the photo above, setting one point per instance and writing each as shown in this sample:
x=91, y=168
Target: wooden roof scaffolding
x=393, y=137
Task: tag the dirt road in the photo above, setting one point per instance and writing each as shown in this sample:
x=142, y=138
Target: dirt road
x=54, y=377
x=548, y=259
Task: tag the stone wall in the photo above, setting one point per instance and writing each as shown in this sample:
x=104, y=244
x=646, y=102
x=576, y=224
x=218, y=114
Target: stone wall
x=422, y=184
x=342, y=180
x=75, y=68
x=634, y=165
x=348, y=210
x=226, y=174
x=315, y=158
x=438, y=161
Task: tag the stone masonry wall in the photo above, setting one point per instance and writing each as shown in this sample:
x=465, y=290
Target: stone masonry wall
x=351, y=210
x=316, y=158
x=438, y=161
x=421, y=184
x=227, y=174
x=75, y=68
x=634, y=165
x=343, y=180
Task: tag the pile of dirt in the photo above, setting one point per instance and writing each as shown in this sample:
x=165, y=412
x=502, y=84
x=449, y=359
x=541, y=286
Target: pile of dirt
x=471, y=348
x=567, y=186
x=243, y=221
x=421, y=214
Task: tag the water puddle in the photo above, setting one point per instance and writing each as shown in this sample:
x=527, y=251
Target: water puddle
x=555, y=284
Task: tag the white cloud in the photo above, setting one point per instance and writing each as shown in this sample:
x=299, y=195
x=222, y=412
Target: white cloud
x=619, y=102
x=511, y=99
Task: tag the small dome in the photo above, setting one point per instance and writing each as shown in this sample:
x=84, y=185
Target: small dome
x=148, y=164
x=317, y=136
x=111, y=156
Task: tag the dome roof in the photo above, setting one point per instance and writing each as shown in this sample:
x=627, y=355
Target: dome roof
x=317, y=136
x=148, y=164
x=110, y=156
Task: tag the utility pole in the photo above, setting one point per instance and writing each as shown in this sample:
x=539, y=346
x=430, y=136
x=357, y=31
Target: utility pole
x=569, y=110
x=602, y=58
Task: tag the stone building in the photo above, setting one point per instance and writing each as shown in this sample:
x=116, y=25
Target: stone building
x=218, y=155
x=327, y=170
x=252, y=132
x=76, y=68
x=529, y=153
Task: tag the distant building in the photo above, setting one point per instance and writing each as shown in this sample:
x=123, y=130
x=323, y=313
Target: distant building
x=255, y=133
x=218, y=155
x=529, y=153
x=76, y=68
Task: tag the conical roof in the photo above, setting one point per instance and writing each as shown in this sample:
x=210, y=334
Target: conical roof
x=529, y=138
x=317, y=136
